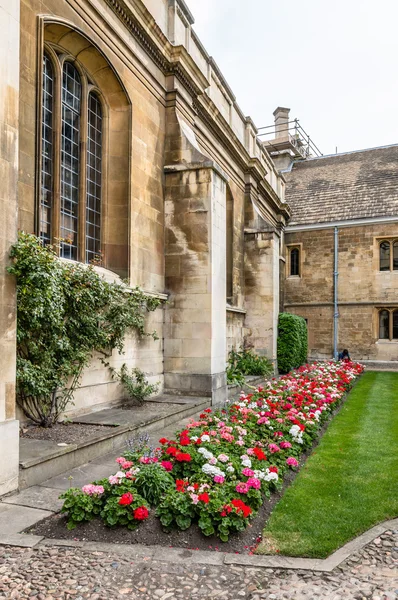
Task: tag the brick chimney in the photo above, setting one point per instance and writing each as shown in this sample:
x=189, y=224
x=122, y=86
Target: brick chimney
x=281, y=116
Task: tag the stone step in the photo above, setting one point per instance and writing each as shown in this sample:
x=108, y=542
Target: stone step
x=380, y=365
x=43, y=459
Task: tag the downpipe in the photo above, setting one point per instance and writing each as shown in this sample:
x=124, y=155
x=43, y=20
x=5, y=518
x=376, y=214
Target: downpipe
x=335, y=293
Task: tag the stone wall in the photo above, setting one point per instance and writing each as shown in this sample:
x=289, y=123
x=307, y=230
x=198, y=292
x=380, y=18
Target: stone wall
x=362, y=290
x=236, y=330
x=9, y=121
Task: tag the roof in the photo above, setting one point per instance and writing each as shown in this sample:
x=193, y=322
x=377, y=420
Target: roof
x=340, y=187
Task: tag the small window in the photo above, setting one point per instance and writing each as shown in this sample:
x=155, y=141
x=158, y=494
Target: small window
x=294, y=262
x=395, y=325
x=385, y=250
x=395, y=256
x=46, y=193
x=384, y=320
x=94, y=176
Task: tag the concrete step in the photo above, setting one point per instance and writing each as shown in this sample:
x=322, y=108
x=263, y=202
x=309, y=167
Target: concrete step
x=380, y=365
x=43, y=459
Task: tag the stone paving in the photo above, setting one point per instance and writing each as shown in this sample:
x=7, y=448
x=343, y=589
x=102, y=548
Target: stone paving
x=57, y=573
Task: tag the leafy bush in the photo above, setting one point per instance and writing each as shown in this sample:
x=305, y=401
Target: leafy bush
x=152, y=482
x=65, y=312
x=292, y=342
x=135, y=383
x=246, y=362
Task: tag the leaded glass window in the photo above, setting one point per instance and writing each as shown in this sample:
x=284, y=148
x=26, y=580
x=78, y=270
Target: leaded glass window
x=384, y=326
x=70, y=160
x=385, y=256
x=295, y=262
x=46, y=192
x=94, y=179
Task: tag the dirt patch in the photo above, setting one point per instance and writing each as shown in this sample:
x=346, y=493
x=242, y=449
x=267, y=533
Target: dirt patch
x=150, y=532
x=66, y=433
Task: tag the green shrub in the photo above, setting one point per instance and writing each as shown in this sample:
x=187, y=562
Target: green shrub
x=292, y=342
x=65, y=312
x=246, y=362
x=135, y=383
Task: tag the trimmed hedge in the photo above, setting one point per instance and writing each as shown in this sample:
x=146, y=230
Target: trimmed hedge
x=292, y=342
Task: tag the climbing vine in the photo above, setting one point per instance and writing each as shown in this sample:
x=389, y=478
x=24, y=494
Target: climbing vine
x=66, y=312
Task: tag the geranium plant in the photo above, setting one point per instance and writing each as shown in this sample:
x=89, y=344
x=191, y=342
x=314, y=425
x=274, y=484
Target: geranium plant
x=220, y=468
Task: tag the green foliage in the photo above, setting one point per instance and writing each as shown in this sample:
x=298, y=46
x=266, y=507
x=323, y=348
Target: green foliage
x=66, y=311
x=292, y=342
x=246, y=362
x=80, y=507
x=152, y=482
x=176, y=509
x=135, y=383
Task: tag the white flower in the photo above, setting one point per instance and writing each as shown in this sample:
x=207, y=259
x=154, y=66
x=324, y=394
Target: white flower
x=194, y=438
x=212, y=470
x=271, y=476
x=230, y=469
x=205, y=438
x=206, y=453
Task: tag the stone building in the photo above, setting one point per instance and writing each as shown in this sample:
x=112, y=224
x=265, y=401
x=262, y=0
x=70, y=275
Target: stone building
x=341, y=252
x=120, y=135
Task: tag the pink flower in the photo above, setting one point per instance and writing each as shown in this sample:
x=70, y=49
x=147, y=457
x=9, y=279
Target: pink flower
x=194, y=498
x=120, y=460
x=218, y=479
x=145, y=460
x=254, y=483
x=167, y=465
x=113, y=480
x=223, y=458
x=262, y=421
x=292, y=462
x=240, y=443
x=213, y=432
x=126, y=464
x=93, y=490
x=250, y=451
x=247, y=472
x=213, y=461
x=285, y=445
x=242, y=488
x=273, y=448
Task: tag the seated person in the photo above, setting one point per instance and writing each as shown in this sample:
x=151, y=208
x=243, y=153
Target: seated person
x=345, y=355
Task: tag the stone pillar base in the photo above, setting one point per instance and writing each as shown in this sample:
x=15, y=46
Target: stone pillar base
x=9, y=451
x=191, y=384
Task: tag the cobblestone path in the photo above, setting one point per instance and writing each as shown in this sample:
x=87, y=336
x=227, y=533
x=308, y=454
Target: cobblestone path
x=55, y=573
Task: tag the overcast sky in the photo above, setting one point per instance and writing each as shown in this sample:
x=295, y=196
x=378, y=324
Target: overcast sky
x=335, y=64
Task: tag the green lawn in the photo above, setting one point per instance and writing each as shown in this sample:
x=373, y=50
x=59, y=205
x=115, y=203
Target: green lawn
x=349, y=483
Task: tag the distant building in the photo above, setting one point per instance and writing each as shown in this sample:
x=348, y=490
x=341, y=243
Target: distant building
x=341, y=247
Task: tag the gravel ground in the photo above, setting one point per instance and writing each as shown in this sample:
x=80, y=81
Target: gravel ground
x=61, y=573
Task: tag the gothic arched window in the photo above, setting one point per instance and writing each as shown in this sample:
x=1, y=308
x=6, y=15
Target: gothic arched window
x=71, y=165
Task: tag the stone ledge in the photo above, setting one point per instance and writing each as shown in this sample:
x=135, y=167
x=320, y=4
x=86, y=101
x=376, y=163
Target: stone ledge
x=173, y=555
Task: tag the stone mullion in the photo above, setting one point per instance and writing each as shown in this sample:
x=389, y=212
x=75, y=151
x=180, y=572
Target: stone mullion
x=57, y=129
x=83, y=172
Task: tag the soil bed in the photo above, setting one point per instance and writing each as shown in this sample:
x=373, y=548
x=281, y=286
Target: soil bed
x=150, y=532
x=66, y=433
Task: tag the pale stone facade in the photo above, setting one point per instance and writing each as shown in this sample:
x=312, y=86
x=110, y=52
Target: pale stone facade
x=192, y=206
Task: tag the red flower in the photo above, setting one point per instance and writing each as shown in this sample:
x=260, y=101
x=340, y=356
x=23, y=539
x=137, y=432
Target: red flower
x=181, y=457
x=273, y=469
x=184, y=439
x=126, y=499
x=163, y=441
x=180, y=485
x=204, y=497
x=167, y=465
x=207, y=410
x=171, y=451
x=259, y=454
x=141, y=513
x=241, y=507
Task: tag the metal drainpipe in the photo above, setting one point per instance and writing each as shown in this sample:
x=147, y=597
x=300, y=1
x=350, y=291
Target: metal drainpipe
x=335, y=299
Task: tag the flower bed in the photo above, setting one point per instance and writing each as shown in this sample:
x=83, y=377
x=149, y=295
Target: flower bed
x=218, y=470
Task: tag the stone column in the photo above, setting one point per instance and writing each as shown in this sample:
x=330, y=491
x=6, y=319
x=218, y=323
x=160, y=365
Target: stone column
x=195, y=317
x=262, y=291
x=9, y=115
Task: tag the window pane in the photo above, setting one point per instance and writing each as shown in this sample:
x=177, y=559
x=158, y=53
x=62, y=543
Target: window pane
x=70, y=160
x=395, y=257
x=384, y=317
x=46, y=151
x=294, y=261
x=385, y=256
x=395, y=325
x=94, y=172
